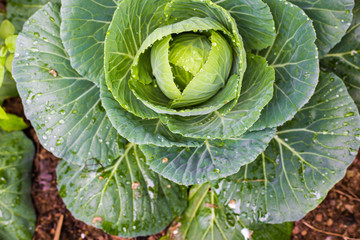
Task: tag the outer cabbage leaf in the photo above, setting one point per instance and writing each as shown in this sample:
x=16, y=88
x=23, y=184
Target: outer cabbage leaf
x=256, y=92
x=209, y=161
x=125, y=198
x=83, y=32
x=254, y=20
x=207, y=218
x=294, y=56
x=17, y=216
x=344, y=59
x=331, y=20
x=64, y=107
x=303, y=162
x=18, y=11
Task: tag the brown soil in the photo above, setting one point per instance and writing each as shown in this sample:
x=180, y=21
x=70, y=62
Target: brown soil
x=338, y=217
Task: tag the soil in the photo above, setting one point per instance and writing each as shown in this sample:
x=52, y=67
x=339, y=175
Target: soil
x=2, y=5
x=336, y=218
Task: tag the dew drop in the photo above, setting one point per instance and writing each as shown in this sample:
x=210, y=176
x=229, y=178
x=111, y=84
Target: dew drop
x=349, y=114
x=353, y=52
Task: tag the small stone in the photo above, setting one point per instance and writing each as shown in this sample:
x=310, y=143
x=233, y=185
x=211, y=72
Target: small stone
x=329, y=222
x=350, y=208
x=319, y=217
x=304, y=233
x=296, y=230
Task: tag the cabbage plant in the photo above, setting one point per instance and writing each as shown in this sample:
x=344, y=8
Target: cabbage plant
x=213, y=113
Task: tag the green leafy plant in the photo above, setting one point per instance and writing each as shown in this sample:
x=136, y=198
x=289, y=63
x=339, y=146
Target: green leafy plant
x=8, y=122
x=7, y=49
x=17, y=216
x=144, y=98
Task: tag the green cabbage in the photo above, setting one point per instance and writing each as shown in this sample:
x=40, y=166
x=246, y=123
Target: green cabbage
x=224, y=96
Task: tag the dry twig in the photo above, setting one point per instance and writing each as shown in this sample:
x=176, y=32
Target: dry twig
x=347, y=195
x=328, y=233
x=58, y=227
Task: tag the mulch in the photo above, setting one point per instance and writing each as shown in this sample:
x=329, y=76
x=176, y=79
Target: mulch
x=336, y=218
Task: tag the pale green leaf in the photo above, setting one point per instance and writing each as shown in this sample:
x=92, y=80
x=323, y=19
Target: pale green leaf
x=3, y=114
x=182, y=10
x=10, y=43
x=212, y=76
x=161, y=68
x=6, y=29
x=3, y=54
x=2, y=74
x=8, y=62
x=153, y=97
x=189, y=51
x=12, y=123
